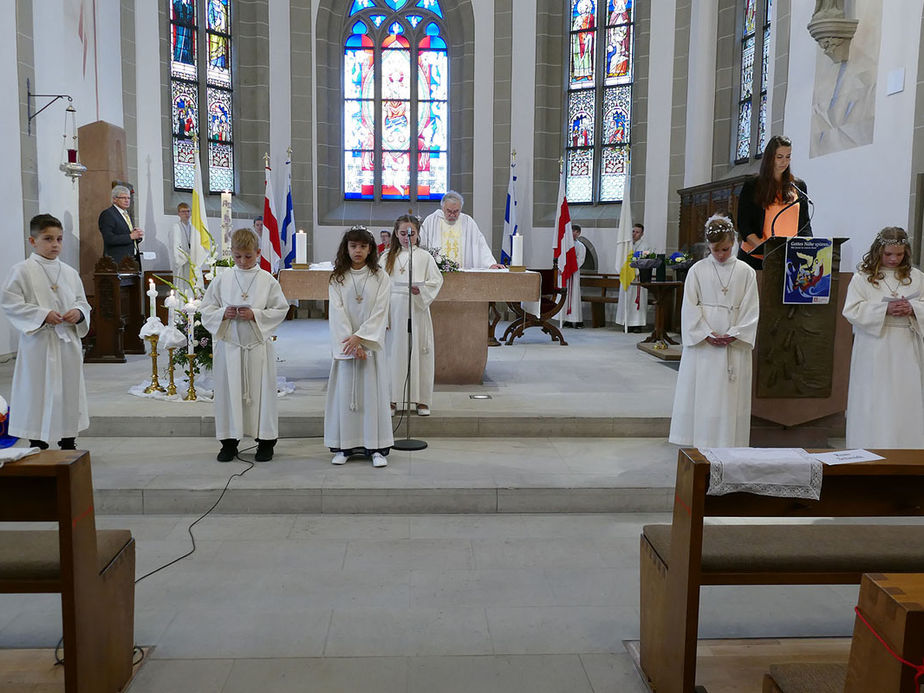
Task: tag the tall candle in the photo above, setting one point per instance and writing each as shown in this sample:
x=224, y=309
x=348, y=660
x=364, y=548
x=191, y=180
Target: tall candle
x=170, y=302
x=190, y=330
x=152, y=294
x=301, y=248
x=516, y=252
x=225, y=220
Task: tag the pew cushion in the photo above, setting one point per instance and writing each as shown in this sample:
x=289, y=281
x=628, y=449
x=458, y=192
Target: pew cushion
x=795, y=548
x=808, y=677
x=34, y=554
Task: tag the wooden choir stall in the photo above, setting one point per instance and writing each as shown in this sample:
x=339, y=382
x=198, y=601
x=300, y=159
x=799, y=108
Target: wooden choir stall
x=460, y=313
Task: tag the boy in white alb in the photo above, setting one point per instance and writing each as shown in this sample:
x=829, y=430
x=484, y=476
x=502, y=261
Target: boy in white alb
x=44, y=299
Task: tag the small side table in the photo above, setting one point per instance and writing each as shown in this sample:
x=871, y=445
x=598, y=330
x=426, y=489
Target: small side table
x=662, y=295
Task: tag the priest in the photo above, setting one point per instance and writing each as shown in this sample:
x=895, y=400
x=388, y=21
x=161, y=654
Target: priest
x=457, y=235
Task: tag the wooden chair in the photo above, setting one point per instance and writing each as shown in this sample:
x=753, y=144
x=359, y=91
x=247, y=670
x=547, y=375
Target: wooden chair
x=551, y=300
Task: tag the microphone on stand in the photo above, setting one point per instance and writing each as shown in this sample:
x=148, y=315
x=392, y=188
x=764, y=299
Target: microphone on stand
x=408, y=443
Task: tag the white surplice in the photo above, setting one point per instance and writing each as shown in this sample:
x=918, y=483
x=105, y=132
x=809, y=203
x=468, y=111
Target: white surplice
x=49, y=398
x=356, y=414
x=430, y=280
x=632, y=308
x=572, y=311
x=180, y=256
x=244, y=360
x=885, y=401
x=712, y=402
x=476, y=254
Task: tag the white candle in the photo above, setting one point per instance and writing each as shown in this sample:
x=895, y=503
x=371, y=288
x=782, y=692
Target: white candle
x=225, y=220
x=190, y=331
x=170, y=302
x=152, y=294
x=301, y=248
x=516, y=253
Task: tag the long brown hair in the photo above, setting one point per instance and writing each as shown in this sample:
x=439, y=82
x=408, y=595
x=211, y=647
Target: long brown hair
x=768, y=188
x=395, y=247
x=343, y=263
x=872, y=261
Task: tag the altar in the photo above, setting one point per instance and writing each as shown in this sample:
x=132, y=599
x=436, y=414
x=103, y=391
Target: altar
x=460, y=313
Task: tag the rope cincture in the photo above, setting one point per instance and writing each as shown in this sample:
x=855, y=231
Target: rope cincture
x=918, y=668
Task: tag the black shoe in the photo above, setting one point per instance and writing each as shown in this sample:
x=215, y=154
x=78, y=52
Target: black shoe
x=40, y=444
x=567, y=324
x=68, y=443
x=228, y=450
x=264, y=450
x=579, y=325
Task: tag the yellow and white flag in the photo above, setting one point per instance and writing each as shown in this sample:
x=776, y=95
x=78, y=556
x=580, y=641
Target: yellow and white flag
x=200, y=241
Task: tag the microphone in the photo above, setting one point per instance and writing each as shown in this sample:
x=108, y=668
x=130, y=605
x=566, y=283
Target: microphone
x=803, y=193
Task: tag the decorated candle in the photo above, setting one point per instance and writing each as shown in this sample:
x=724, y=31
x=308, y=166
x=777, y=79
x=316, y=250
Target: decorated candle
x=301, y=248
x=170, y=302
x=225, y=220
x=190, y=329
x=516, y=251
x=152, y=294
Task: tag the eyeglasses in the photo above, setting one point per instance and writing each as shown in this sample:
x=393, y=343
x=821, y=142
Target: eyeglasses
x=123, y=197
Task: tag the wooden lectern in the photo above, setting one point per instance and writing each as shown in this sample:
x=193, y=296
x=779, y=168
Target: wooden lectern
x=118, y=316
x=801, y=359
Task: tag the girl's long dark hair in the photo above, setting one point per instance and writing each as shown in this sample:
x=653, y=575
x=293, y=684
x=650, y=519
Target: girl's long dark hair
x=768, y=189
x=343, y=263
x=395, y=246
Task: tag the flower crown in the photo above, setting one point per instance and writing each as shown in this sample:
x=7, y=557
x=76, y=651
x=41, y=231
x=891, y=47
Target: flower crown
x=880, y=240
x=720, y=224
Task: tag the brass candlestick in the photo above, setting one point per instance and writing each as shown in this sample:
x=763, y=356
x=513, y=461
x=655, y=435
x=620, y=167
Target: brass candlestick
x=171, y=388
x=155, y=383
x=191, y=392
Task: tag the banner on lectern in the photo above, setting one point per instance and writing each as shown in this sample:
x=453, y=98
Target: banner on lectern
x=807, y=271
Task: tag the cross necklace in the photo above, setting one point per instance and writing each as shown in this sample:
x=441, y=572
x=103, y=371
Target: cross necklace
x=358, y=293
x=54, y=282
x=724, y=286
x=892, y=291
x=245, y=293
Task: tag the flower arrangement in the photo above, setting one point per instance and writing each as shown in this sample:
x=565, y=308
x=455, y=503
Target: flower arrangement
x=202, y=348
x=679, y=260
x=645, y=259
x=443, y=263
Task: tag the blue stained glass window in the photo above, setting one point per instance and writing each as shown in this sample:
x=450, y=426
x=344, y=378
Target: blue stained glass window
x=753, y=82
x=395, y=49
x=359, y=5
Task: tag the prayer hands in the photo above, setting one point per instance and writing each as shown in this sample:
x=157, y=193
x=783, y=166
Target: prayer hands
x=230, y=313
x=352, y=346
x=496, y=266
x=415, y=290
x=72, y=316
x=720, y=340
x=54, y=318
x=900, y=308
x=245, y=313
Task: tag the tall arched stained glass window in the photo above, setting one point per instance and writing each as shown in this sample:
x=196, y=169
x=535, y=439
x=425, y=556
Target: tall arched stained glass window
x=192, y=45
x=751, y=137
x=395, y=101
x=599, y=99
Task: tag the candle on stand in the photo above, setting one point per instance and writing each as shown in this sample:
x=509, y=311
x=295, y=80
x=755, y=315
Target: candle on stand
x=190, y=330
x=170, y=302
x=516, y=251
x=225, y=220
x=152, y=294
x=301, y=248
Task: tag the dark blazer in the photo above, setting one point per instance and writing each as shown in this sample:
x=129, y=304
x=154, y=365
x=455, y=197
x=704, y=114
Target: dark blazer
x=117, y=240
x=751, y=216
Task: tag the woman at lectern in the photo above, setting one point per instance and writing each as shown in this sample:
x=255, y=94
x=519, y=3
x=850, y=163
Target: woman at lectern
x=773, y=194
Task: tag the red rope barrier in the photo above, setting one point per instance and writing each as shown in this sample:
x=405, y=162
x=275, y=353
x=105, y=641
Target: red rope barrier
x=918, y=668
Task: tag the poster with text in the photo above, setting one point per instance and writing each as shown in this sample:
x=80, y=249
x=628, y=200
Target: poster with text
x=807, y=274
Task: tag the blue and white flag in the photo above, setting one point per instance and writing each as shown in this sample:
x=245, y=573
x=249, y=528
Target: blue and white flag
x=510, y=217
x=287, y=232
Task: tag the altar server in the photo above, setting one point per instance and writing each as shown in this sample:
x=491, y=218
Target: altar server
x=885, y=305
x=44, y=299
x=571, y=313
x=632, y=308
x=457, y=235
x=712, y=402
x=242, y=308
x=356, y=417
x=427, y=281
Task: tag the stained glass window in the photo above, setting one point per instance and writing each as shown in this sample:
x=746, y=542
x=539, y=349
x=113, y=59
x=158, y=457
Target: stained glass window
x=599, y=99
x=395, y=101
x=193, y=45
x=751, y=133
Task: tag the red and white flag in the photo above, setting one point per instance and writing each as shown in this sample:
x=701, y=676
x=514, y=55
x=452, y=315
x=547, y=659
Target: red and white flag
x=270, y=246
x=563, y=248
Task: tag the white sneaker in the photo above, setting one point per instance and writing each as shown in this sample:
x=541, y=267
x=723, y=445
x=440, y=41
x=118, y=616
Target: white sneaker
x=339, y=458
x=423, y=410
x=378, y=460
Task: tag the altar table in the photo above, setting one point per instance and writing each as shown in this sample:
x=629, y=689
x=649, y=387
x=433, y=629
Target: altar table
x=460, y=313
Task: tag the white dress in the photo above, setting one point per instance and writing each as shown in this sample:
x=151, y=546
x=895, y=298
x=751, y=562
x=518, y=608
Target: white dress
x=422, y=369
x=474, y=250
x=885, y=401
x=244, y=360
x=712, y=402
x=632, y=308
x=49, y=398
x=356, y=414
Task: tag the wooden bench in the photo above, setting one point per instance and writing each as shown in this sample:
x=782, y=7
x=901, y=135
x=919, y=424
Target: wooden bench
x=598, y=301
x=93, y=571
x=677, y=559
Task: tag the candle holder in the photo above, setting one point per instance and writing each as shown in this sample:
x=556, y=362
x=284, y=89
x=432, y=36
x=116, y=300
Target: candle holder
x=300, y=265
x=517, y=268
x=155, y=383
x=191, y=392
x=171, y=387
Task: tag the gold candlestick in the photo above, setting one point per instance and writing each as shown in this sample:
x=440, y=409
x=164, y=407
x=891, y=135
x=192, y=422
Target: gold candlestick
x=191, y=392
x=171, y=388
x=155, y=383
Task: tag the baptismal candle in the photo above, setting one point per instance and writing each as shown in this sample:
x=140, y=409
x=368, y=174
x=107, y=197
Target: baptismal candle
x=170, y=302
x=516, y=253
x=152, y=294
x=225, y=221
x=301, y=248
x=190, y=333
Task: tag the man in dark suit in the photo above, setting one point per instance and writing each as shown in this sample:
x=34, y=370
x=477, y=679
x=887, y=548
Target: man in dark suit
x=120, y=236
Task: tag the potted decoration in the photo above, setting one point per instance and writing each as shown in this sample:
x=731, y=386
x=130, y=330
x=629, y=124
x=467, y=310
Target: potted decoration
x=443, y=263
x=680, y=262
x=645, y=261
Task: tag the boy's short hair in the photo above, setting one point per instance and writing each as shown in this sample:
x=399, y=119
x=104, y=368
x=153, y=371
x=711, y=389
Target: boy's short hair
x=182, y=205
x=259, y=217
x=245, y=239
x=40, y=222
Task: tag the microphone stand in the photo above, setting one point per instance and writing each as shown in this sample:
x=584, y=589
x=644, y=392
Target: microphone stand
x=409, y=443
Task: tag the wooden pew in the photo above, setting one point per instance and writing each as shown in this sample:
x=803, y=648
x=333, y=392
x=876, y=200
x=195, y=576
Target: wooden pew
x=93, y=571
x=677, y=559
x=598, y=301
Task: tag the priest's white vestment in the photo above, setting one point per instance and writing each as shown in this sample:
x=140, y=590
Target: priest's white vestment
x=179, y=260
x=885, y=400
x=572, y=311
x=244, y=360
x=632, y=308
x=356, y=414
x=49, y=398
x=712, y=402
x=429, y=280
x=474, y=252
